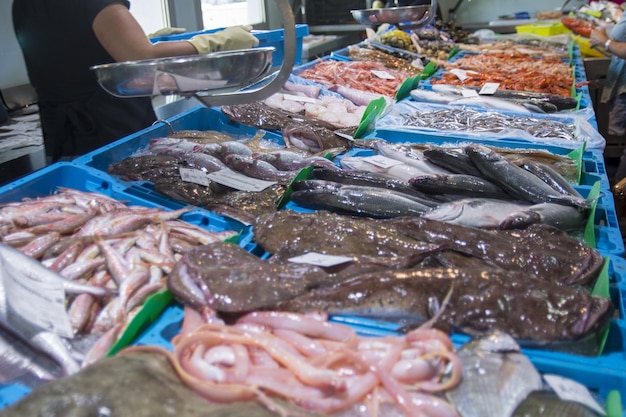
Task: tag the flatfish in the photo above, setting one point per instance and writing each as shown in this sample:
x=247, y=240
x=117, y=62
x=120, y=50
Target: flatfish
x=480, y=300
x=496, y=377
x=548, y=404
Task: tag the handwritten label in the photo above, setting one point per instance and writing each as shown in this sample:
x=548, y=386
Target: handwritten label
x=238, y=181
x=194, y=175
x=36, y=299
x=570, y=390
x=383, y=74
x=320, y=259
x=489, y=88
x=302, y=99
x=468, y=93
x=382, y=161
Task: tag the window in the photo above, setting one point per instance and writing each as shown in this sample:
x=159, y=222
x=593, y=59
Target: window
x=222, y=13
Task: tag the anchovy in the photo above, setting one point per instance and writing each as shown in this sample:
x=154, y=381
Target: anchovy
x=517, y=181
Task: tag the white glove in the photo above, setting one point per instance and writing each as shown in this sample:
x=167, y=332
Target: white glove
x=166, y=31
x=234, y=37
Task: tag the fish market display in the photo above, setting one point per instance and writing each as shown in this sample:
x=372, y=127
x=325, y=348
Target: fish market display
x=470, y=120
x=358, y=53
x=368, y=76
x=540, y=251
x=317, y=366
x=298, y=131
x=339, y=112
x=110, y=257
x=531, y=46
x=497, y=377
x=519, y=72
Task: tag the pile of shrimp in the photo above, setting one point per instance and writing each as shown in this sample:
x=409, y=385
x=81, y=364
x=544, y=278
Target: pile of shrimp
x=369, y=76
x=517, y=71
x=314, y=364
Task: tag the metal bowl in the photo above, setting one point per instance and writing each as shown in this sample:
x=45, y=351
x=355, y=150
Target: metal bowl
x=413, y=15
x=216, y=72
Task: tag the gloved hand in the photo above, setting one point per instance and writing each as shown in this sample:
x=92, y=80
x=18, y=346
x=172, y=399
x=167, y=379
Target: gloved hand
x=166, y=31
x=234, y=37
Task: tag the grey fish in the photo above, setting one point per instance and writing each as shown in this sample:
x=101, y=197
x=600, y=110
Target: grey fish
x=490, y=103
x=517, y=181
x=411, y=157
x=566, y=218
x=360, y=200
x=497, y=377
x=430, y=96
x=483, y=213
x=371, y=179
x=551, y=177
x=548, y=404
x=17, y=360
x=453, y=161
x=458, y=184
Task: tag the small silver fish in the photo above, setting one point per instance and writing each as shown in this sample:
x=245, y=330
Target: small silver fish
x=497, y=377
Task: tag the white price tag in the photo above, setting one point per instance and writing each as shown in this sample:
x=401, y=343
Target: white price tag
x=194, y=175
x=462, y=74
x=320, y=259
x=382, y=161
x=570, y=390
x=489, y=88
x=302, y=99
x=467, y=92
x=238, y=181
x=383, y=74
x=36, y=299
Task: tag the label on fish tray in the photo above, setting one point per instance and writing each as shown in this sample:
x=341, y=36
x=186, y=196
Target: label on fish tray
x=382, y=161
x=383, y=74
x=462, y=74
x=302, y=99
x=570, y=390
x=320, y=259
x=238, y=181
x=194, y=175
x=489, y=88
x=37, y=300
x=467, y=92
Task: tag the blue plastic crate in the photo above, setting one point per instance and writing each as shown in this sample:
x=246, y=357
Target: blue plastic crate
x=46, y=181
x=275, y=38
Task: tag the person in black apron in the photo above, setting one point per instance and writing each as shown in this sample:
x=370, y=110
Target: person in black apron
x=62, y=39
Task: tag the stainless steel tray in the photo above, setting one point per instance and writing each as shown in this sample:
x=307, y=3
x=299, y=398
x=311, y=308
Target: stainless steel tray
x=216, y=72
x=405, y=17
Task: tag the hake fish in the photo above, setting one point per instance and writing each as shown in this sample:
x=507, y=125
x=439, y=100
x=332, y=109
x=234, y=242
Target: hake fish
x=357, y=200
x=484, y=213
x=517, y=181
x=497, y=377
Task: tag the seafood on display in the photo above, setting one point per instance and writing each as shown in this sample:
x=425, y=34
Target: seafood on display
x=519, y=72
x=531, y=46
x=315, y=365
x=298, y=131
x=110, y=257
x=369, y=76
x=413, y=64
